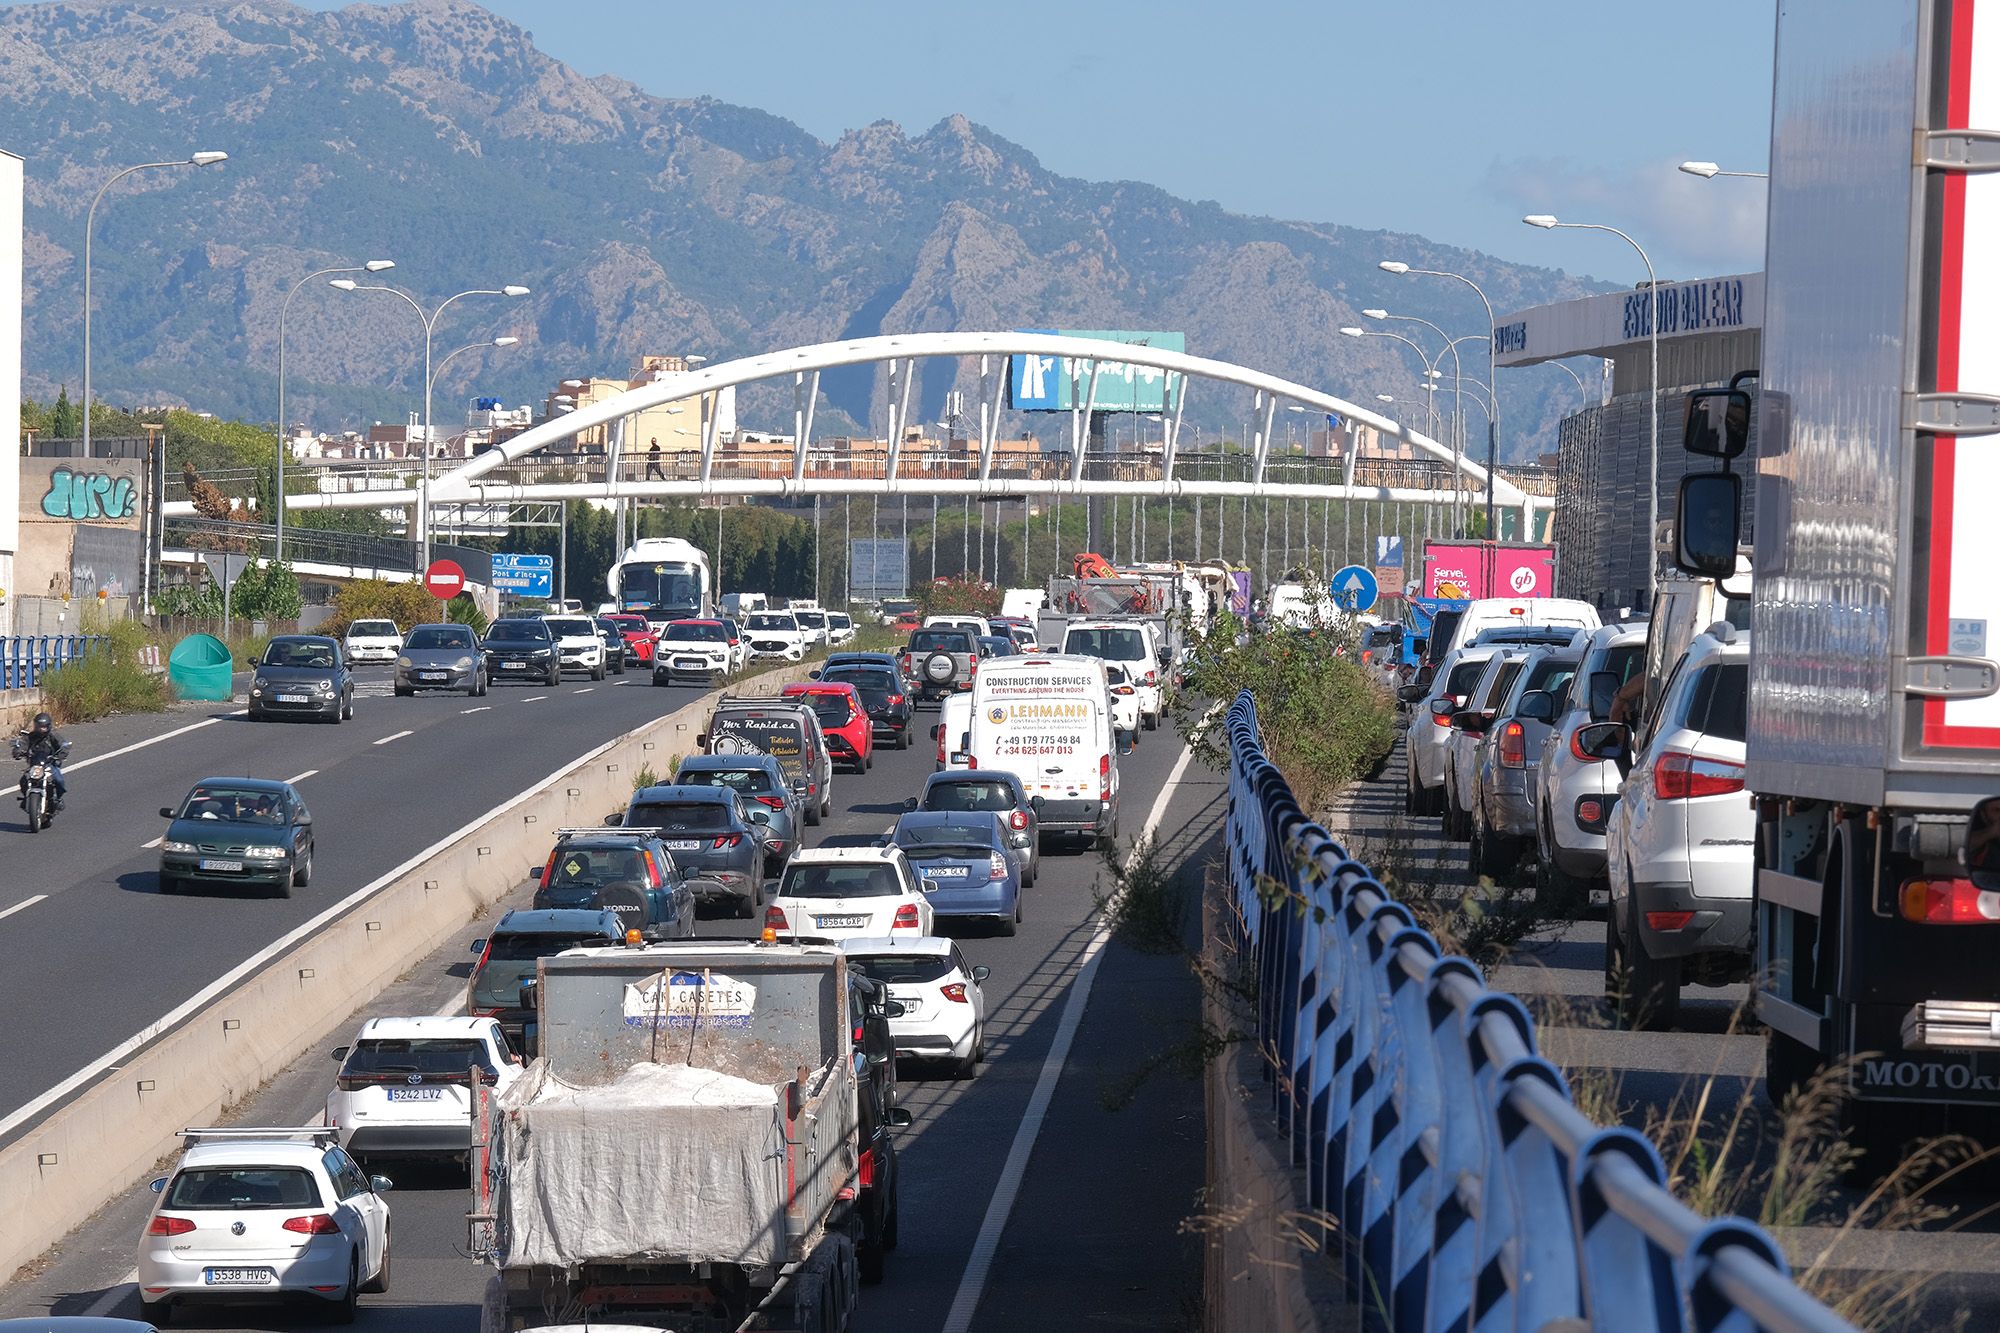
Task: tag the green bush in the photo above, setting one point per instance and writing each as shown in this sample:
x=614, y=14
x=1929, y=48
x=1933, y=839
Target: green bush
x=268, y=591
x=107, y=680
x=195, y=601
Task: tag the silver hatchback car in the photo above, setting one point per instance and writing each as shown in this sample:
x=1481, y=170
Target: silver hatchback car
x=1574, y=791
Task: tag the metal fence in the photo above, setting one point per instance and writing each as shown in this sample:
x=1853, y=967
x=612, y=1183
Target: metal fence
x=23, y=658
x=361, y=552
x=1467, y=1188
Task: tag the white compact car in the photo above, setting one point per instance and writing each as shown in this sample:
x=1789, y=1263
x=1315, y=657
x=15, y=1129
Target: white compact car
x=839, y=628
x=1124, y=702
x=404, y=1088
x=775, y=636
x=813, y=621
x=579, y=647
x=691, y=650
x=1574, y=792
x=251, y=1215
x=373, y=641
x=839, y=893
x=1128, y=644
x=1425, y=751
x=944, y=1010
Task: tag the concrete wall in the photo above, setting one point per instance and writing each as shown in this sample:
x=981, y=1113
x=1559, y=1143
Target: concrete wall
x=110, y=1135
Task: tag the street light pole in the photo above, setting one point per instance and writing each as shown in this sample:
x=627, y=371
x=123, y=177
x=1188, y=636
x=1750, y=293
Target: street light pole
x=1492, y=362
x=1457, y=405
x=278, y=505
x=201, y=159
x=1547, y=222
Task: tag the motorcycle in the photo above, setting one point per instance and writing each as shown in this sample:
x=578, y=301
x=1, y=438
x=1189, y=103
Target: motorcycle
x=38, y=792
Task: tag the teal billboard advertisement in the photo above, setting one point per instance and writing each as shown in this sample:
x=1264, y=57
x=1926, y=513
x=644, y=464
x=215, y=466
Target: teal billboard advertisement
x=1062, y=384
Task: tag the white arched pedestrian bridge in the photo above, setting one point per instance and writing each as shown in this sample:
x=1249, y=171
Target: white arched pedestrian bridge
x=494, y=477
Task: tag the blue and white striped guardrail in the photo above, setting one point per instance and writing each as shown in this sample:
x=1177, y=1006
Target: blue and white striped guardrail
x=23, y=658
x=1469, y=1191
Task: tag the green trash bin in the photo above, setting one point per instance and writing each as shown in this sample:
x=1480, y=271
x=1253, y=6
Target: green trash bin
x=200, y=667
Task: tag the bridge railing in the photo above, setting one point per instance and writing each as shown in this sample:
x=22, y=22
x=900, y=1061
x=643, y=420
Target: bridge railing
x=24, y=659
x=364, y=553
x=1468, y=1189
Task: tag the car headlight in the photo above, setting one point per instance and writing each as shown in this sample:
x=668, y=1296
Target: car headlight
x=259, y=683
x=402, y=661
x=264, y=853
x=464, y=663
x=185, y=848
x=540, y=652
x=323, y=686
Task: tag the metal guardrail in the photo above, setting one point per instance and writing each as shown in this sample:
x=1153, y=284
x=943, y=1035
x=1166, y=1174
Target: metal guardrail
x=1470, y=1190
x=23, y=658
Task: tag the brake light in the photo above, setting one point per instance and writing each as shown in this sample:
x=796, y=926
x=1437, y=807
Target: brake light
x=996, y=867
x=955, y=992
x=1668, y=920
x=906, y=918
x=169, y=1226
x=652, y=869
x=972, y=761
x=1513, y=746
x=549, y=870
x=1018, y=820
x=313, y=1224
x=1150, y=678
x=723, y=840
x=1104, y=777
x=895, y=699
x=774, y=918
x=1679, y=776
x=1948, y=902
x=775, y=802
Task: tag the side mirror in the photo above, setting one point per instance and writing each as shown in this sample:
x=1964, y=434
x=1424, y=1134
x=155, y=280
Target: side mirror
x=166, y=812
x=760, y=816
x=1409, y=694
x=1035, y=804
x=1717, y=424
x=340, y=1052
x=981, y=973
x=1471, y=721
x=158, y=1184
x=813, y=674
x=1707, y=524
x=305, y=820
x=1604, y=687
x=1982, y=843
x=478, y=945
x=381, y=1184
x=1537, y=706
x=701, y=739
x=614, y=821
x=1443, y=706
x=893, y=1009
x=898, y=1117
x=1604, y=740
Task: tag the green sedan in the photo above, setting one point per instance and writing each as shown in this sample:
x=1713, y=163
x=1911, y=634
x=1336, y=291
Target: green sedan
x=238, y=831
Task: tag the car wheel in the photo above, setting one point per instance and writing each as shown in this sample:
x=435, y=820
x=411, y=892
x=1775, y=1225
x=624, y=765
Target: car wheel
x=979, y=1044
x=597, y=672
x=404, y=691
x=658, y=679
x=1150, y=721
x=962, y=1069
x=1650, y=999
x=377, y=1285
x=1412, y=793
x=554, y=677
x=302, y=873
x=343, y=1310
x=812, y=815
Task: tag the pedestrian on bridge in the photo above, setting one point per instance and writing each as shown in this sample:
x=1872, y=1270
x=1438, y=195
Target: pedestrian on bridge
x=653, y=471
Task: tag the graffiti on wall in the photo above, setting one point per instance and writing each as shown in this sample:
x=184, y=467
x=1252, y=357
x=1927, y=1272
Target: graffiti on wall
x=85, y=497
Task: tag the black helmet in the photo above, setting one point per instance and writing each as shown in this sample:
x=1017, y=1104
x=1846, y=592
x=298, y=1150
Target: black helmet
x=43, y=724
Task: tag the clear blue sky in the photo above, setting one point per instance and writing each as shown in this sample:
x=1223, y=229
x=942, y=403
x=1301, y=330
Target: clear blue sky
x=1449, y=118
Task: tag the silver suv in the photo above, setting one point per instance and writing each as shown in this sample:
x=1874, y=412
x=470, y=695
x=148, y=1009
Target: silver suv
x=941, y=662
x=1503, y=793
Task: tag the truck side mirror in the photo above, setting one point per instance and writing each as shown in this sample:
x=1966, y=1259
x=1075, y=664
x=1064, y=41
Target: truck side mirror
x=1604, y=686
x=1707, y=522
x=1443, y=706
x=1717, y=424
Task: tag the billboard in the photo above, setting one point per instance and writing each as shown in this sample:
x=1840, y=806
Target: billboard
x=1488, y=569
x=1061, y=383
x=877, y=567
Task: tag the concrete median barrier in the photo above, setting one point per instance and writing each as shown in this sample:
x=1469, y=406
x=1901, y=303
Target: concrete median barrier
x=106, y=1136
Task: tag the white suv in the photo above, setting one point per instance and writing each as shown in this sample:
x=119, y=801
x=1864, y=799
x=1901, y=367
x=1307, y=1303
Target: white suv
x=1679, y=849
x=579, y=647
x=837, y=893
x=775, y=635
x=696, y=650
x=944, y=1010
x=404, y=1088
x=1130, y=644
x=373, y=641
x=252, y=1214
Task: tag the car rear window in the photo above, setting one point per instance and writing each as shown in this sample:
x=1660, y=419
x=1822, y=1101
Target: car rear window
x=680, y=816
x=1550, y=674
x=750, y=781
x=833, y=709
x=941, y=641
x=524, y=946
x=905, y=967
x=595, y=866
x=872, y=679
x=1720, y=706
x=1116, y=645
x=953, y=834
x=242, y=1187
x=433, y=1057
x=969, y=796
x=871, y=880
x=1464, y=676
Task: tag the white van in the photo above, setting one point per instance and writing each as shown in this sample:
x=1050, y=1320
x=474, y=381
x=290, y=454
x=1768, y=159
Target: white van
x=1023, y=603
x=953, y=730
x=1501, y=612
x=1046, y=718
x=737, y=605
x=1132, y=644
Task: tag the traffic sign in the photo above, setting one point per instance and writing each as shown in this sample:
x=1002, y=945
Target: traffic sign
x=525, y=576
x=1354, y=588
x=444, y=580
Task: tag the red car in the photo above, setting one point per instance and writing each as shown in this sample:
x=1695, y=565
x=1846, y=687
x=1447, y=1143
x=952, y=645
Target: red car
x=908, y=622
x=638, y=635
x=850, y=736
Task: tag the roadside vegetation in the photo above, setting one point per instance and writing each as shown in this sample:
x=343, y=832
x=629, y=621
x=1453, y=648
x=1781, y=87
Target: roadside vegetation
x=110, y=679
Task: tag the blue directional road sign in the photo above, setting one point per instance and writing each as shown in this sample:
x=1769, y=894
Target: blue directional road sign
x=1354, y=588
x=524, y=575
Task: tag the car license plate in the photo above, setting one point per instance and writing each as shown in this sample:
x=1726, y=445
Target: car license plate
x=210, y=863
x=840, y=922
x=416, y=1094
x=513, y=666
x=683, y=844
x=430, y=675
x=946, y=872
x=291, y=698
x=238, y=1277
x=691, y=663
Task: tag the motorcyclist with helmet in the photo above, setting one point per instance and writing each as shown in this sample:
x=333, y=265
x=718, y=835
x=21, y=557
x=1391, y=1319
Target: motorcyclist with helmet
x=39, y=743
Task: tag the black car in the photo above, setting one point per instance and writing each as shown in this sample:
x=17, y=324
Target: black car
x=614, y=643
x=302, y=675
x=883, y=695
x=236, y=831
x=521, y=649
x=628, y=872
x=878, y=1200
x=714, y=839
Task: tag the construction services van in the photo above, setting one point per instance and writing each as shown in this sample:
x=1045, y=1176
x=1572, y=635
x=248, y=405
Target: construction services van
x=1046, y=718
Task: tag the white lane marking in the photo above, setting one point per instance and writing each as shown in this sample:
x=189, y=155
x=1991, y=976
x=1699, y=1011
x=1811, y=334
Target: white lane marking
x=483, y=708
x=621, y=682
x=398, y=736
x=980, y=1261
x=585, y=690
x=303, y=776
x=155, y=842
x=534, y=698
x=222, y=984
x=25, y=902
x=140, y=745
x=112, y=1295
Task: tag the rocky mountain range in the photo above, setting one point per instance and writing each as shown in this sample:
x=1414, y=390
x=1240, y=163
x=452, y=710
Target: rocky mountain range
x=436, y=134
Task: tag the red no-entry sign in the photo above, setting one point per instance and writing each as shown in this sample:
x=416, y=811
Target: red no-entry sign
x=444, y=580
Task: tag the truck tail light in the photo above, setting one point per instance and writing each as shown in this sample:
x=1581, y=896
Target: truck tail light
x=312, y=1224
x=1018, y=820
x=954, y=991
x=1104, y=777
x=996, y=867
x=774, y=918
x=1513, y=746
x=1948, y=902
x=1679, y=776
x=906, y=918
x=169, y=1226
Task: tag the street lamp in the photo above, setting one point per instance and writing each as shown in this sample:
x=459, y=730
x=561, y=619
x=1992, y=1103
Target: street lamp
x=1430, y=374
x=429, y=321
x=1492, y=352
x=1708, y=171
x=278, y=517
x=1548, y=222
x=205, y=158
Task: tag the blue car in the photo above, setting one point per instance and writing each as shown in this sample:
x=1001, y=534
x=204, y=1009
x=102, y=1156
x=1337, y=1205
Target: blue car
x=964, y=864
